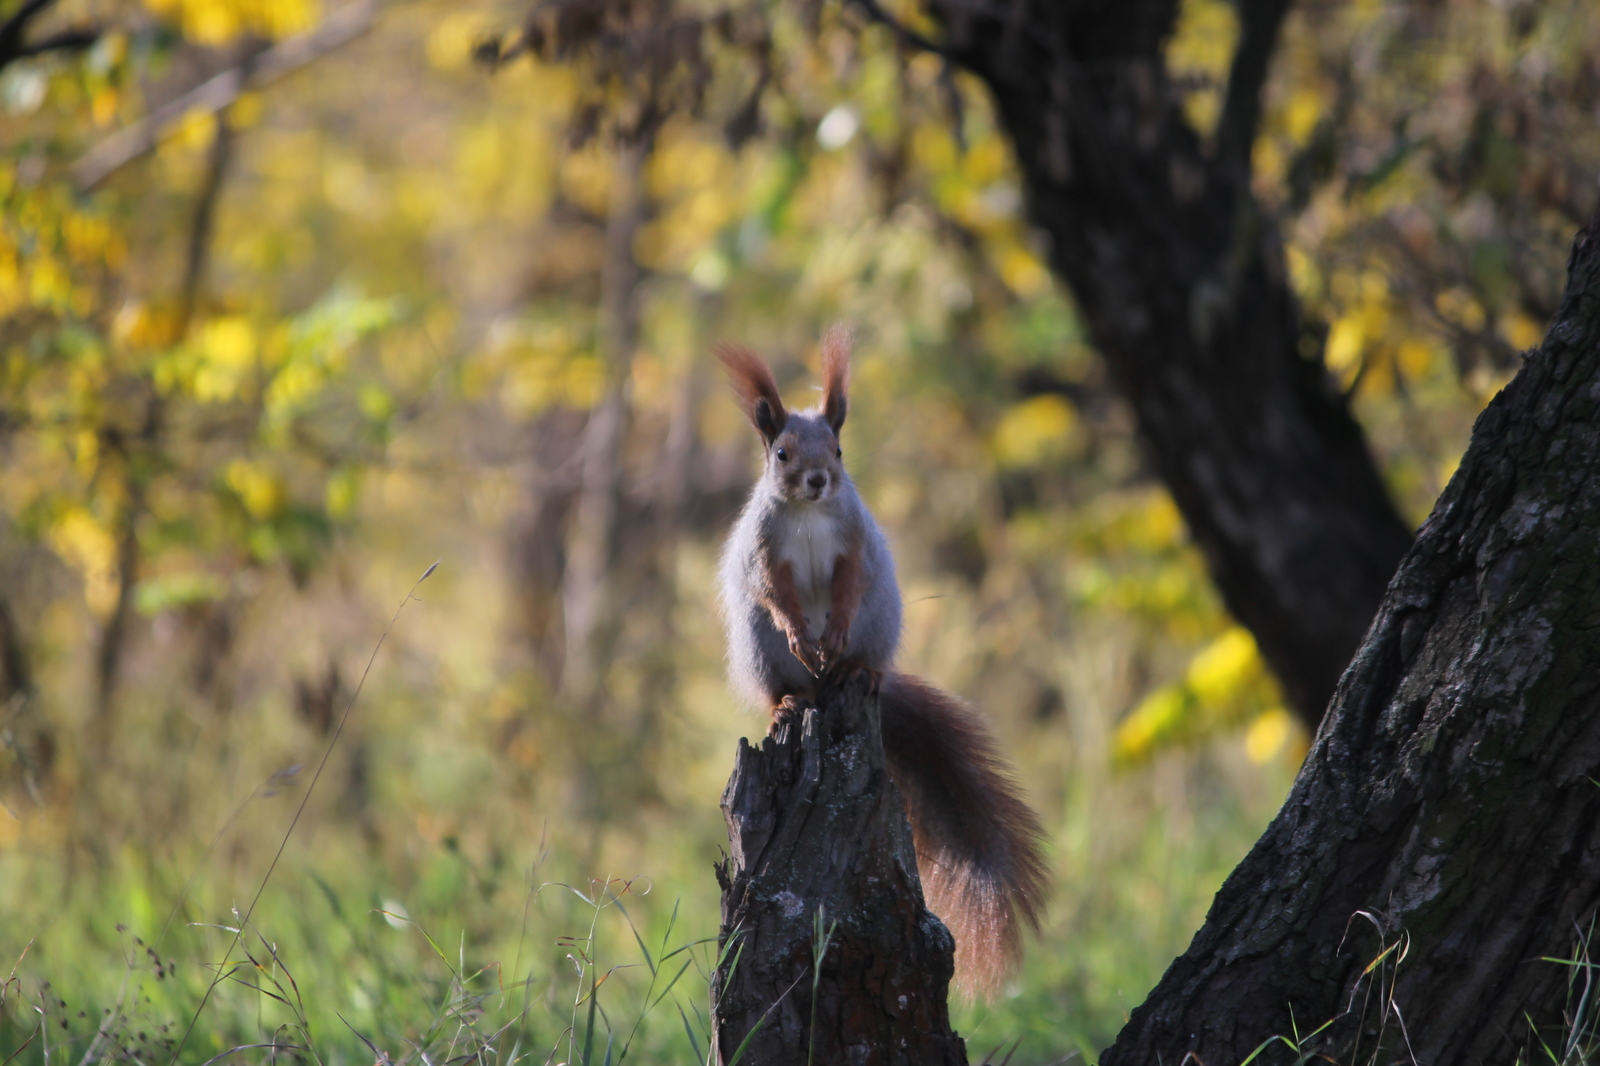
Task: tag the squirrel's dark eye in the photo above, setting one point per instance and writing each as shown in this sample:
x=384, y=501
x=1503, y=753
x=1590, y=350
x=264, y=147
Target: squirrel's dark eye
x=783, y=455
x=838, y=453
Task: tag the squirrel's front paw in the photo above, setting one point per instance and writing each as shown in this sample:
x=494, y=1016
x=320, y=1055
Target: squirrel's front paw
x=805, y=649
x=835, y=640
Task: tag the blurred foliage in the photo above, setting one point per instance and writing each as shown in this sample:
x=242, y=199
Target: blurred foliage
x=355, y=321
x=1224, y=685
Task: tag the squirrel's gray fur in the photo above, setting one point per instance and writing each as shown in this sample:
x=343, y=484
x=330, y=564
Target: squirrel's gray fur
x=808, y=534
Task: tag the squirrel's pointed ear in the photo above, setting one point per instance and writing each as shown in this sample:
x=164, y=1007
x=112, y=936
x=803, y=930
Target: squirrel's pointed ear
x=757, y=391
x=836, y=345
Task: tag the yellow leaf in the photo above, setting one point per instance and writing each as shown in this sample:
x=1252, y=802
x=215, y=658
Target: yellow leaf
x=216, y=22
x=103, y=108
x=1202, y=43
x=1416, y=357
x=261, y=491
x=340, y=494
x=227, y=349
x=88, y=547
x=1157, y=718
x=1302, y=114
x=1034, y=430
x=1219, y=673
x=50, y=286
x=1267, y=735
x=246, y=110
x=451, y=42
x=1343, y=352
x=88, y=453
x=229, y=341
x=1023, y=273
x=196, y=130
x=1520, y=331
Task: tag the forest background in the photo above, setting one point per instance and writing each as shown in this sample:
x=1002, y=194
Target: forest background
x=296, y=299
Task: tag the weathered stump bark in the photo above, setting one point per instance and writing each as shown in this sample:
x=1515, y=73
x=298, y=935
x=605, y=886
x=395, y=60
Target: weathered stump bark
x=1452, y=798
x=820, y=841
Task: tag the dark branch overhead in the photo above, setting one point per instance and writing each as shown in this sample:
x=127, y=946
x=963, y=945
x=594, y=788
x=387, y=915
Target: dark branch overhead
x=1180, y=279
x=1259, y=23
x=903, y=33
x=13, y=31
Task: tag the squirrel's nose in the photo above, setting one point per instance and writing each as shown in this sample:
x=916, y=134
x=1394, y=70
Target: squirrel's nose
x=817, y=479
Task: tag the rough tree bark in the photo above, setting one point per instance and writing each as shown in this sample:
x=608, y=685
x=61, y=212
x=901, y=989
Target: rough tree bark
x=821, y=843
x=1180, y=279
x=1452, y=797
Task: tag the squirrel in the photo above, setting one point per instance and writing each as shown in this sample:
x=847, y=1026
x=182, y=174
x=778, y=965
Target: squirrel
x=808, y=591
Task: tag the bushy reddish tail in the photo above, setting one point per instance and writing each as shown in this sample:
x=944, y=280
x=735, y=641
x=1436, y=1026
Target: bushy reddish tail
x=979, y=844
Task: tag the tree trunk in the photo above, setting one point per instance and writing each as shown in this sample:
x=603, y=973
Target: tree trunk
x=1450, y=803
x=1181, y=282
x=823, y=867
x=587, y=595
x=16, y=675
x=138, y=447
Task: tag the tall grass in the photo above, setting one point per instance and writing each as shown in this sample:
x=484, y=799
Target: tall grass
x=446, y=892
x=347, y=959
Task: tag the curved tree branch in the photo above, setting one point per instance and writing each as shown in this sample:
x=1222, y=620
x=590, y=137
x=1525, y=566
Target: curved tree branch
x=903, y=33
x=1181, y=282
x=1259, y=23
x=140, y=137
x=15, y=28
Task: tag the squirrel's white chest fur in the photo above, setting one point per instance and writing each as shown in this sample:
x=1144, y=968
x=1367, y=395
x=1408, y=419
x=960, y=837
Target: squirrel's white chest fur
x=811, y=544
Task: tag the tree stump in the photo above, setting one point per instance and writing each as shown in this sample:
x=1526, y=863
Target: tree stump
x=822, y=864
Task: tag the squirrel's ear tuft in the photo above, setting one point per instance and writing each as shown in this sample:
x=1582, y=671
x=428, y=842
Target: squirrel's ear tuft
x=836, y=345
x=757, y=391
